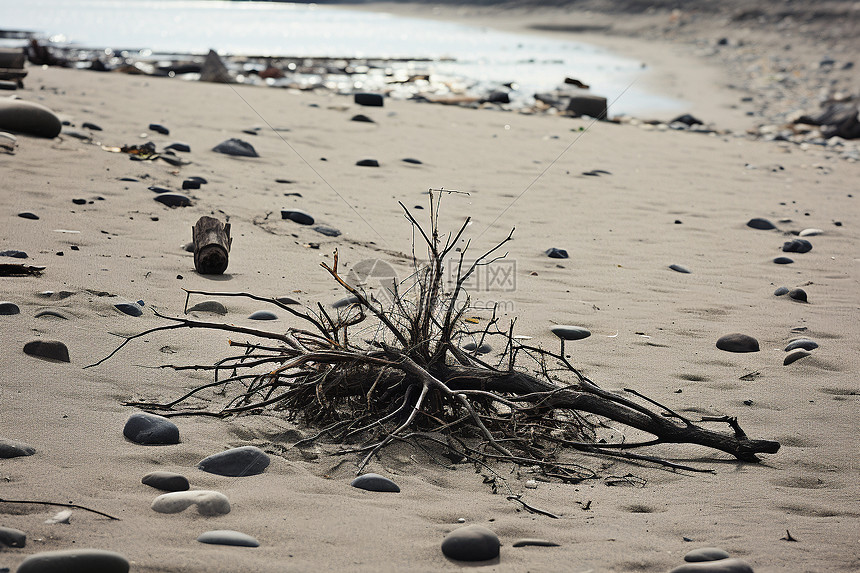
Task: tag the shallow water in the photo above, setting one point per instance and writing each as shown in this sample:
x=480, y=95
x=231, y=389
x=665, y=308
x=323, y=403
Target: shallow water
x=475, y=55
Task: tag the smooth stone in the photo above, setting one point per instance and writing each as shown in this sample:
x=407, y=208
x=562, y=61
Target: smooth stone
x=191, y=184
x=263, y=315
x=91, y=126
x=79, y=201
x=129, y=308
x=51, y=349
x=721, y=566
x=158, y=128
x=20, y=116
x=471, y=543
x=75, y=561
x=228, y=537
x=780, y=291
x=798, y=294
x=345, y=301
x=236, y=462
x=51, y=312
x=591, y=105
x=738, y=342
x=413, y=161
x=173, y=199
x=760, y=224
x=287, y=300
x=810, y=233
x=236, y=147
x=367, y=163
x=706, y=554
x=29, y=215
x=14, y=254
x=794, y=356
x=199, y=179
x=803, y=343
x=15, y=449
x=530, y=542
x=783, y=261
x=680, y=269
x=11, y=537
x=8, y=308
x=567, y=332
x=182, y=147
x=554, y=253
x=150, y=430
x=209, y=306
x=796, y=246
x=362, y=118
x=327, y=231
x=208, y=502
x=372, y=100
x=298, y=216
x=166, y=481
x=483, y=349
x=375, y=482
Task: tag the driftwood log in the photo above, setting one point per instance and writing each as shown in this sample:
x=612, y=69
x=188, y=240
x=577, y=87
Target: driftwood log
x=211, y=246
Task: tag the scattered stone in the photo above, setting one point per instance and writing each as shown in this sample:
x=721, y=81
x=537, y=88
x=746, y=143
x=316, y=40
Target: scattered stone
x=14, y=254
x=554, y=253
x=375, y=482
x=362, y=118
x=51, y=312
x=679, y=269
x=761, y=224
x=21, y=116
x=567, y=332
x=91, y=126
x=166, y=481
x=199, y=179
x=191, y=184
x=75, y=561
x=370, y=100
x=79, y=201
x=208, y=502
x=129, y=179
x=721, y=566
x=798, y=294
x=50, y=349
x=482, y=349
x=687, y=119
x=263, y=315
x=810, y=233
x=174, y=199
x=413, y=161
x=287, y=300
x=8, y=308
x=471, y=543
x=236, y=147
x=182, y=147
x=214, y=70
x=297, y=215
x=530, y=542
x=209, y=306
x=15, y=449
x=781, y=291
x=236, y=462
x=738, y=342
x=29, y=215
x=783, y=261
x=590, y=105
x=158, y=128
x=794, y=356
x=129, y=308
x=150, y=430
x=796, y=246
x=327, y=231
x=228, y=537
x=10, y=537
x=705, y=554
x=803, y=343
x=345, y=301
x=367, y=163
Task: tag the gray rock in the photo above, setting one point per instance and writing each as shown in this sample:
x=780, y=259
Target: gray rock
x=590, y=105
x=159, y=190
x=208, y=502
x=15, y=449
x=530, y=542
x=554, y=253
x=796, y=246
x=75, y=561
x=150, y=430
x=327, y=231
x=236, y=462
x=209, y=306
x=52, y=313
x=721, y=566
x=129, y=308
x=8, y=308
x=263, y=315
x=297, y=215
x=810, y=233
x=794, y=356
x=13, y=253
x=228, y=537
x=760, y=224
x=798, y=294
x=780, y=291
x=567, y=332
x=11, y=537
x=375, y=482
x=50, y=349
x=803, y=343
x=166, y=481
x=680, y=269
x=783, y=261
x=173, y=199
x=482, y=349
x=705, y=554
x=345, y=301
x=738, y=342
x=236, y=147
x=471, y=543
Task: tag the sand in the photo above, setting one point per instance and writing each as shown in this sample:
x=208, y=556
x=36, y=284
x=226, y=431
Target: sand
x=669, y=198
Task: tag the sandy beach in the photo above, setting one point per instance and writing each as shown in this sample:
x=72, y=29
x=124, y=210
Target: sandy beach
x=624, y=200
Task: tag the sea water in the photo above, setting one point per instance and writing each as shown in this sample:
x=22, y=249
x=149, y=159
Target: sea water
x=478, y=55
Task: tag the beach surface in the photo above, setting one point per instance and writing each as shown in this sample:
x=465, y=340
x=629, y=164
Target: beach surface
x=625, y=201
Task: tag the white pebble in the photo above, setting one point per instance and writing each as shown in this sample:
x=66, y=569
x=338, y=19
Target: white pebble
x=208, y=502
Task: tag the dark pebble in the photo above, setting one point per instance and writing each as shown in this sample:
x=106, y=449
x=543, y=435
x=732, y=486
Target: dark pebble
x=794, y=356
x=362, y=118
x=236, y=462
x=129, y=308
x=199, y=179
x=183, y=147
x=8, y=308
x=705, y=554
x=566, y=332
x=370, y=100
x=413, y=161
x=157, y=189
x=680, y=269
x=529, y=542
x=51, y=312
x=554, y=253
x=28, y=215
x=173, y=199
x=150, y=430
x=781, y=291
x=367, y=163
x=738, y=342
x=297, y=215
x=14, y=254
x=287, y=300
x=263, y=315
x=482, y=349
x=166, y=481
x=129, y=179
x=783, y=261
x=91, y=126
x=15, y=449
x=158, y=128
x=191, y=184
x=209, y=306
x=345, y=301
x=797, y=246
x=50, y=349
x=79, y=201
x=327, y=231
x=471, y=543
x=236, y=147
x=10, y=537
x=75, y=561
x=803, y=343
x=687, y=119
x=798, y=294
x=375, y=482
x=228, y=537
x=761, y=224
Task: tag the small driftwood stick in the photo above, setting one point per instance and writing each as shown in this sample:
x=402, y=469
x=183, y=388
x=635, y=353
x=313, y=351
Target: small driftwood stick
x=211, y=246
